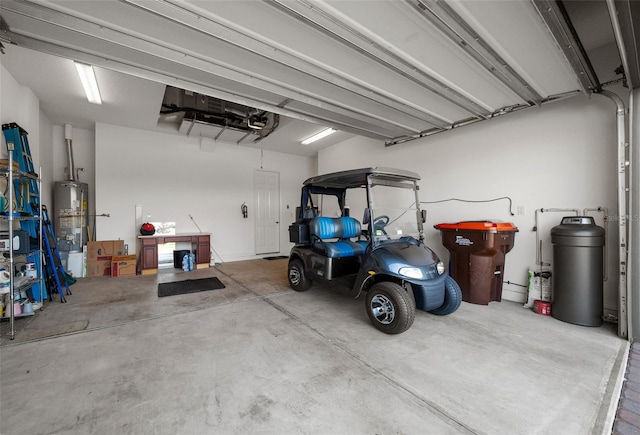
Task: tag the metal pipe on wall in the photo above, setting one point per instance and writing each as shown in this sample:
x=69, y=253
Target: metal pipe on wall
x=539, y=261
x=605, y=220
x=623, y=212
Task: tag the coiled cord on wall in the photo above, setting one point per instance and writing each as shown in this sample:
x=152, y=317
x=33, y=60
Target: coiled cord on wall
x=474, y=201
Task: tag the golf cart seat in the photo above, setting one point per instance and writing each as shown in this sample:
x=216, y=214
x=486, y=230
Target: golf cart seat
x=325, y=229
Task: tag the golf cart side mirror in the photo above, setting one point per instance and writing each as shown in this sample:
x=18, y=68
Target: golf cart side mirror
x=424, y=216
x=367, y=216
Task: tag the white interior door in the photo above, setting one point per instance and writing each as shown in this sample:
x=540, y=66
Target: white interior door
x=266, y=187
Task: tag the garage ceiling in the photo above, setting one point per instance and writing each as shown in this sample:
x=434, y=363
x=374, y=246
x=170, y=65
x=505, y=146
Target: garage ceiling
x=390, y=70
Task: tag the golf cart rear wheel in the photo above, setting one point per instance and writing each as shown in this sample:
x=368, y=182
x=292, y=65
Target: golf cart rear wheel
x=297, y=279
x=389, y=307
x=452, y=298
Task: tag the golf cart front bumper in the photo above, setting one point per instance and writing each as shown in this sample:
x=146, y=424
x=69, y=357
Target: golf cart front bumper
x=429, y=294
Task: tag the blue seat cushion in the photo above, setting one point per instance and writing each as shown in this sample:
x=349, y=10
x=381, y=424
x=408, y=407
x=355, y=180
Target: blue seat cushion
x=343, y=248
x=342, y=228
x=335, y=228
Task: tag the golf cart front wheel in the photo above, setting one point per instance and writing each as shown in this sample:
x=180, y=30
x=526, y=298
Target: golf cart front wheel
x=452, y=298
x=389, y=307
x=297, y=279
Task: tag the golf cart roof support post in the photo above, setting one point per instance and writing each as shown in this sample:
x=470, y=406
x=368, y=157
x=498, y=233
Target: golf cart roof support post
x=418, y=211
x=310, y=189
x=368, y=191
x=370, y=202
x=304, y=200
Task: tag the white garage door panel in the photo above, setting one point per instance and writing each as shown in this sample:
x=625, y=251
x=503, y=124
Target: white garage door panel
x=515, y=30
x=376, y=68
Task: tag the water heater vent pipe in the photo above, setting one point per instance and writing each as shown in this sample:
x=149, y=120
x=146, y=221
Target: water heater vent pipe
x=68, y=130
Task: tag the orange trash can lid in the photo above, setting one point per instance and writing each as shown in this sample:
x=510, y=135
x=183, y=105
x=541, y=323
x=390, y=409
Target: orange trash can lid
x=491, y=226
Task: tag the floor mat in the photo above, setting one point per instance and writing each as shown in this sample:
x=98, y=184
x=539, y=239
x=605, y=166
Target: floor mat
x=279, y=257
x=189, y=286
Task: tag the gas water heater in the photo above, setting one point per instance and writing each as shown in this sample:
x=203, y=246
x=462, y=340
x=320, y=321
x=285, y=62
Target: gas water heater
x=71, y=205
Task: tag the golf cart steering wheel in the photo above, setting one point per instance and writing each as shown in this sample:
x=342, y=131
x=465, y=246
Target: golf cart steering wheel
x=379, y=223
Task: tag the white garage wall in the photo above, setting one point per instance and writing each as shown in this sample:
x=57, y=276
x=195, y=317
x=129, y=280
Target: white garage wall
x=172, y=178
x=20, y=105
x=561, y=155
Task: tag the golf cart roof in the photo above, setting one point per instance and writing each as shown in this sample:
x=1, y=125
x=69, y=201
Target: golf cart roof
x=358, y=177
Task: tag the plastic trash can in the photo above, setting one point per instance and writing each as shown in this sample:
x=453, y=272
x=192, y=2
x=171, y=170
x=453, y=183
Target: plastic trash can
x=578, y=272
x=477, y=251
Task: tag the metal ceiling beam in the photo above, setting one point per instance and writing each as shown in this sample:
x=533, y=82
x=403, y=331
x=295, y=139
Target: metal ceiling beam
x=445, y=19
x=501, y=112
x=557, y=20
x=625, y=19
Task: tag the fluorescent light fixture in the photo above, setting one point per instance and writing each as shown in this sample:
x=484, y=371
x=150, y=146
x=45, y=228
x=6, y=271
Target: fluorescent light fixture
x=318, y=136
x=89, y=83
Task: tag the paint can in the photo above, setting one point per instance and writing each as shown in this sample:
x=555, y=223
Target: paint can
x=27, y=308
x=542, y=307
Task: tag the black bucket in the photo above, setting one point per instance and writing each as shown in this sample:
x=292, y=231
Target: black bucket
x=178, y=255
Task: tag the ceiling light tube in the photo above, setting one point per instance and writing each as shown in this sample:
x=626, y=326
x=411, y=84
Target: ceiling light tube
x=89, y=83
x=318, y=136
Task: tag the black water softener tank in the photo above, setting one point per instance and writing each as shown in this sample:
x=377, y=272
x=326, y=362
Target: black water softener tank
x=578, y=271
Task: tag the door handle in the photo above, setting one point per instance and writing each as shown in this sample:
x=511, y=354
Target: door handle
x=277, y=222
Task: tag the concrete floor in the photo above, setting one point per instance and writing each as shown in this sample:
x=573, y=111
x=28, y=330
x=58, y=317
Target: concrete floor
x=256, y=357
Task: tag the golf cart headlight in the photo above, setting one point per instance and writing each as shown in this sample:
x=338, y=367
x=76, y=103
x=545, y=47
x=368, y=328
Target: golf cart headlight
x=411, y=272
x=440, y=267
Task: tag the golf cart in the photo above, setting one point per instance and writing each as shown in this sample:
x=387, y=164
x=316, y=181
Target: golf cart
x=384, y=256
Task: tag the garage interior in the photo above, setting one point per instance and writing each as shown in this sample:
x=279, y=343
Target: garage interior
x=522, y=111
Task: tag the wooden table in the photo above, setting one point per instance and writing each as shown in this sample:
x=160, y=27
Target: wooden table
x=148, y=248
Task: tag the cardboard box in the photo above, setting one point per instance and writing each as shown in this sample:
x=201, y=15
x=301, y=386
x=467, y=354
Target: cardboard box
x=104, y=250
x=123, y=265
x=99, y=268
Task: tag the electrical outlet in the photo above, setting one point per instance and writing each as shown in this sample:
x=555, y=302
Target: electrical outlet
x=521, y=210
